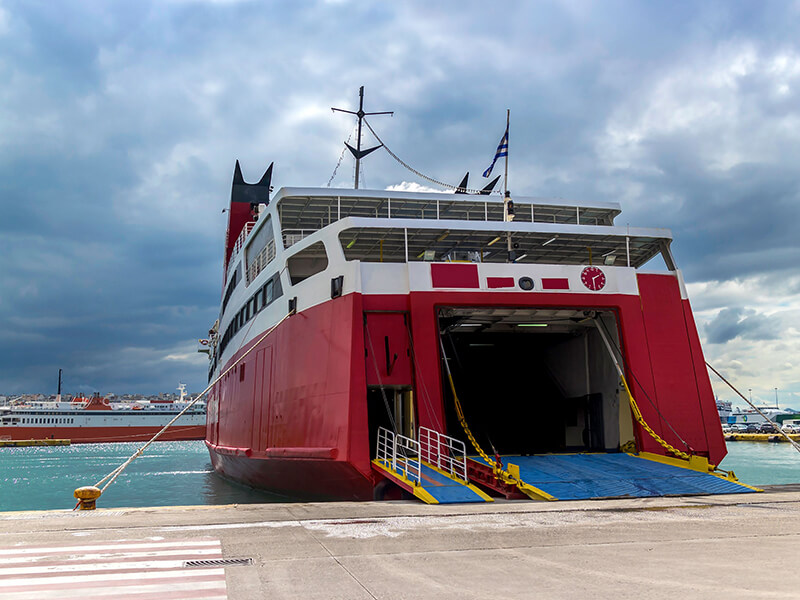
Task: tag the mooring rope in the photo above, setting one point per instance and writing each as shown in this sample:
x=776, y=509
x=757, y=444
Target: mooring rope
x=112, y=476
x=422, y=175
x=774, y=425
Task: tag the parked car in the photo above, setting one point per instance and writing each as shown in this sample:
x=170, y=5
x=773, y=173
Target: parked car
x=738, y=428
x=752, y=428
x=767, y=428
x=726, y=428
x=790, y=429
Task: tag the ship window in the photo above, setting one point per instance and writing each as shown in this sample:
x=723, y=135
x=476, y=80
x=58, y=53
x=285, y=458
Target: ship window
x=268, y=292
x=248, y=312
x=257, y=304
x=231, y=285
x=307, y=262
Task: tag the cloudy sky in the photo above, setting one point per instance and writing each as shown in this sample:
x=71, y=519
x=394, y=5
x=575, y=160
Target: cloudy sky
x=120, y=123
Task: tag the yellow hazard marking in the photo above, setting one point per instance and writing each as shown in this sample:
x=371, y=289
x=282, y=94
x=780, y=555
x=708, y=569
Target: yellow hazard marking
x=414, y=486
x=695, y=463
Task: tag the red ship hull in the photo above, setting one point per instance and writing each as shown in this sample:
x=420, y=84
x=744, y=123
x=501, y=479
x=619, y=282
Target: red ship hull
x=294, y=416
x=90, y=435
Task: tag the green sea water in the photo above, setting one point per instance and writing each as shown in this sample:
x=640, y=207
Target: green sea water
x=763, y=463
x=180, y=473
x=167, y=474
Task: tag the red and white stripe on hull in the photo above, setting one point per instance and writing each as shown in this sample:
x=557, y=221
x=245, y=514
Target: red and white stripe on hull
x=143, y=570
x=85, y=435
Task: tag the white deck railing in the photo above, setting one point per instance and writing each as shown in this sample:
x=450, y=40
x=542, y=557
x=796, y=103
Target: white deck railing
x=400, y=454
x=292, y=236
x=266, y=256
x=443, y=452
x=239, y=243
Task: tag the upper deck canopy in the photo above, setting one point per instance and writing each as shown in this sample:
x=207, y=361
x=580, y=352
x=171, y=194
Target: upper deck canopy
x=313, y=208
x=398, y=226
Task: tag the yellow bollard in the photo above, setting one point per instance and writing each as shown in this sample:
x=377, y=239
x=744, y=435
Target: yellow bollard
x=87, y=496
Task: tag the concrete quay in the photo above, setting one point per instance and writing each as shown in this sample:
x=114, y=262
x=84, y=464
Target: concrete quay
x=734, y=546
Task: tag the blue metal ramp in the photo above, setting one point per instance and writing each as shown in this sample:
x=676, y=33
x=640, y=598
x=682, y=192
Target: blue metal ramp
x=434, y=486
x=587, y=476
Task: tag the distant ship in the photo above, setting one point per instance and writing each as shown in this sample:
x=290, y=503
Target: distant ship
x=95, y=419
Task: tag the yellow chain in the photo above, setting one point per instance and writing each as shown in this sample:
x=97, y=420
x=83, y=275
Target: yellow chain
x=640, y=419
x=496, y=469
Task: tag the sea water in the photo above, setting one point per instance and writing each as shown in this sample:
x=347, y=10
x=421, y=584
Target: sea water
x=180, y=474
x=167, y=474
x=763, y=463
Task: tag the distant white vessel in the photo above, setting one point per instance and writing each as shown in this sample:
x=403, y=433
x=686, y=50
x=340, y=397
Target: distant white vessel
x=96, y=419
x=730, y=415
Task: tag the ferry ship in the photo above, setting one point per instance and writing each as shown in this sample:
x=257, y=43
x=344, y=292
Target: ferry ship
x=95, y=420
x=372, y=341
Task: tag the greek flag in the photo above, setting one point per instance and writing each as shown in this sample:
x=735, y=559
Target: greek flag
x=502, y=150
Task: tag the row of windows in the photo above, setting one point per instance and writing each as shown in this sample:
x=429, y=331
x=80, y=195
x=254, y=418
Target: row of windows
x=262, y=298
x=232, y=286
x=47, y=421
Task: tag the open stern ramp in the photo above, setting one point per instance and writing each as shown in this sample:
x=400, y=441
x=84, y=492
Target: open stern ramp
x=590, y=476
x=433, y=469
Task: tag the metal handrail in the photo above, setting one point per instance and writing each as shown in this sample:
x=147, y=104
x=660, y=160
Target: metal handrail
x=237, y=245
x=444, y=452
x=266, y=256
x=400, y=454
x=292, y=236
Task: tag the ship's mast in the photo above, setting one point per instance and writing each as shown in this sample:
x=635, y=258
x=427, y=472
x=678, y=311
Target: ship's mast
x=508, y=204
x=357, y=152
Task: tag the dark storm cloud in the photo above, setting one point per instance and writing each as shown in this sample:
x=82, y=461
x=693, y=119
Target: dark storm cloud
x=731, y=323
x=120, y=124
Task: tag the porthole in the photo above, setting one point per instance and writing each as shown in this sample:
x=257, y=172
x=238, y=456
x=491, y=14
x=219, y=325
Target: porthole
x=526, y=283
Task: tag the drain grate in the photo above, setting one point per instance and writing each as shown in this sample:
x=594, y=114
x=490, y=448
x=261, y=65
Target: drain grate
x=218, y=562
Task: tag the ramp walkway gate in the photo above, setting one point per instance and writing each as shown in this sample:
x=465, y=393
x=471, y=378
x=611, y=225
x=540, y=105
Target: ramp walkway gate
x=433, y=468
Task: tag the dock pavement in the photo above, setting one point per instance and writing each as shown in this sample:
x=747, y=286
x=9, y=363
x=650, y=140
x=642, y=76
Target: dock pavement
x=733, y=546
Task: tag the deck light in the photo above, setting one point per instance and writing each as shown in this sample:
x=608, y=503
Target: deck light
x=531, y=324
x=552, y=239
x=520, y=257
x=444, y=235
x=494, y=241
x=350, y=245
